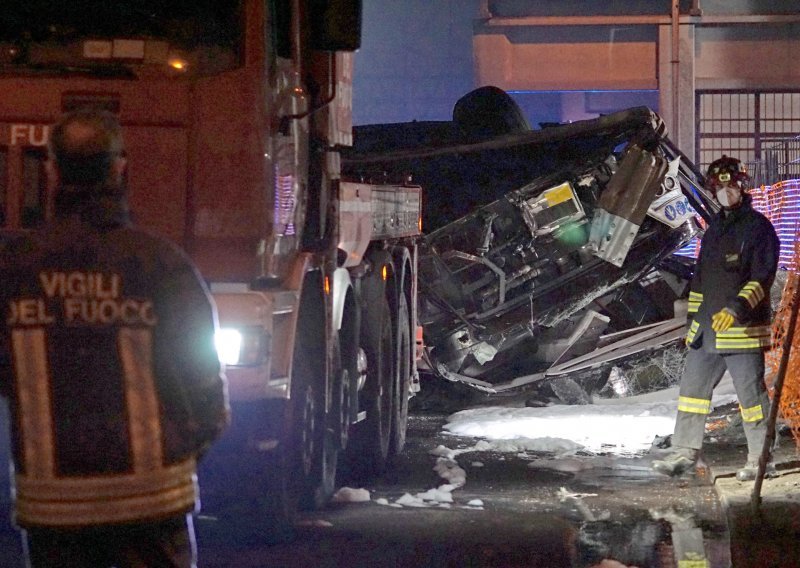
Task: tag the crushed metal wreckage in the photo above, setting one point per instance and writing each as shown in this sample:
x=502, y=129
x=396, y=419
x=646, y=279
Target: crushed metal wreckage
x=549, y=255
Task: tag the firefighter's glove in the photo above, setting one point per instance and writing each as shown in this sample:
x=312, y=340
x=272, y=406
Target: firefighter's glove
x=722, y=320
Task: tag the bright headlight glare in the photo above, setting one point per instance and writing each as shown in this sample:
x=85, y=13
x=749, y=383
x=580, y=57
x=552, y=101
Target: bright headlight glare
x=243, y=346
x=229, y=345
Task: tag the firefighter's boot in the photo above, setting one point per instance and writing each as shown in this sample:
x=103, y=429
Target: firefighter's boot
x=750, y=471
x=677, y=463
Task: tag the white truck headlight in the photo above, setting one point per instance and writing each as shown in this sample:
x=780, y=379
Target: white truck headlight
x=243, y=347
x=229, y=345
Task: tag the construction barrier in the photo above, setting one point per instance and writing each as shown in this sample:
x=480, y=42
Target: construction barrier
x=790, y=393
x=780, y=202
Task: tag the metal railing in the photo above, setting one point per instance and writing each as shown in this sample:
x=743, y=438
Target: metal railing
x=780, y=161
x=776, y=192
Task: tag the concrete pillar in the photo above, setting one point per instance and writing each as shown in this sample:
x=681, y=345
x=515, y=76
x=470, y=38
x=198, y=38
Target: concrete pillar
x=681, y=127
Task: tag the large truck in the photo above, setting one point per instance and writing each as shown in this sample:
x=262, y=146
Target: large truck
x=234, y=112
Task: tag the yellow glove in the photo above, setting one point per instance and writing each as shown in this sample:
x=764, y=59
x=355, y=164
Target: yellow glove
x=722, y=320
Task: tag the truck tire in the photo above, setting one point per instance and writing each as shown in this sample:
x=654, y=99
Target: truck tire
x=368, y=451
x=342, y=393
x=402, y=380
x=315, y=449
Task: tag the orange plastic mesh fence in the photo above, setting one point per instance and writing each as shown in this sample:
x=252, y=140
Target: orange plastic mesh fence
x=790, y=393
x=781, y=203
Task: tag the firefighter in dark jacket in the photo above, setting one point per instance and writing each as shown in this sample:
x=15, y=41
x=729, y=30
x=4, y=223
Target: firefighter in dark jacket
x=730, y=313
x=107, y=358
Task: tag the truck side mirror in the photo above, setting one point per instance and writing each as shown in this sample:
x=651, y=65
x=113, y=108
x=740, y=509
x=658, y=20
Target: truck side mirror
x=335, y=24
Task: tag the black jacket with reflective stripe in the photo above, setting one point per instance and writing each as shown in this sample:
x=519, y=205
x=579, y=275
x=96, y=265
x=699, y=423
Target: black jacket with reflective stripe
x=736, y=268
x=108, y=360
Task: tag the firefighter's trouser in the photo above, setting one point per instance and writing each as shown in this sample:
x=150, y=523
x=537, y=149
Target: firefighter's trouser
x=169, y=543
x=702, y=372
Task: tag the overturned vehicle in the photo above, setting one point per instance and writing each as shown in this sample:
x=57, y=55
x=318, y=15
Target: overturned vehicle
x=549, y=255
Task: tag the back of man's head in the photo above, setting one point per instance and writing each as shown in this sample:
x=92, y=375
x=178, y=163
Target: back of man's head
x=84, y=144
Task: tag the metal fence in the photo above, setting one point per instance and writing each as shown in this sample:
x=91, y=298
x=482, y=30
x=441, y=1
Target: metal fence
x=780, y=161
x=776, y=192
x=759, y=127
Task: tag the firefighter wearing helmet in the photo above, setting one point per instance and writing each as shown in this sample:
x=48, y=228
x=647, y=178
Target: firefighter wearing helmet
x=727, y=178
x=729, y=321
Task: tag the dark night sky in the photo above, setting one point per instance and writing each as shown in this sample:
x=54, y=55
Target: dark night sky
x=415, y=62
x=415, y=59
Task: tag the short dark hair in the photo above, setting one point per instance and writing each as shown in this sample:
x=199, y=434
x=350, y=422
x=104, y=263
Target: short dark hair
x=84, y=144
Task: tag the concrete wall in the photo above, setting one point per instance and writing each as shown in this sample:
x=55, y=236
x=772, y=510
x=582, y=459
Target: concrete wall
x=555, y=59
x=574, y=46
x=734, y=57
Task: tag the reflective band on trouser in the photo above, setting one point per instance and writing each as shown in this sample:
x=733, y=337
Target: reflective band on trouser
x=695, y=299
x=694, y=405
x=752, y=292
x=752, y=414
x=744, y=337
x=79, y=501
x=692, y=332
x=693, y=563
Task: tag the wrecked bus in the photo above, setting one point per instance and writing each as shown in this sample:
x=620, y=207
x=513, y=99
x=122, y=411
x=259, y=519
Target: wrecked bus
x=549, y=255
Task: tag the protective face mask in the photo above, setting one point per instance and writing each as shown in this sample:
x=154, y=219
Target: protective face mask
x=729, y=196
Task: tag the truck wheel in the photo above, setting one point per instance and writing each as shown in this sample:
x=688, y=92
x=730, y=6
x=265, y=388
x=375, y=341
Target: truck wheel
x=342, y=395
x=315, y=450
x=369, y=447
x=403, y=382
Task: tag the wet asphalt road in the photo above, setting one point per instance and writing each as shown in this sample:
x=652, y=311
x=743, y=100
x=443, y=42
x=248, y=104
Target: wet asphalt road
x=613, y=509
x=607, y=508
